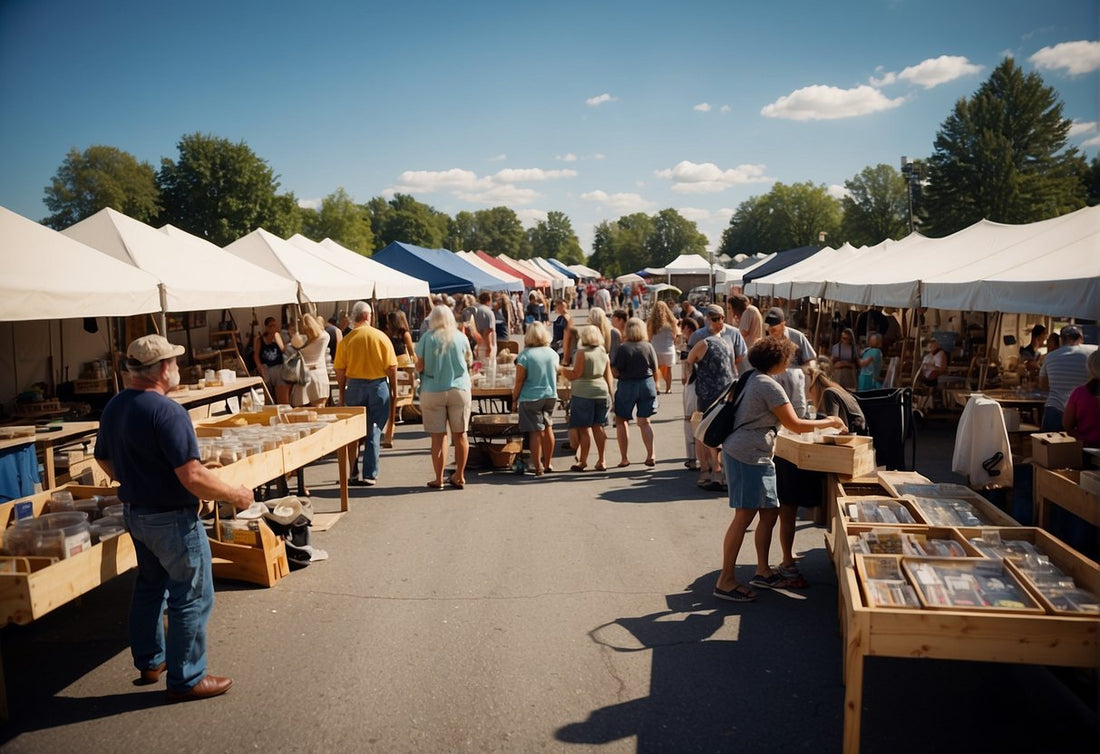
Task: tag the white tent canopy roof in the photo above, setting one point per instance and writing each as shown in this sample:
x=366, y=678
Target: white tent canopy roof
x=195, y=278
x=583, y=271
x=48, y=275
x=1054, y=272
x=557, y=279
x=685, y=264
x=319, y=281
x=388, y=283
x=488, y=269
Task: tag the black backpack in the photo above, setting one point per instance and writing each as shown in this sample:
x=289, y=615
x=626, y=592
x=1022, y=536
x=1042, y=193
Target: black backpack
x=724, y=412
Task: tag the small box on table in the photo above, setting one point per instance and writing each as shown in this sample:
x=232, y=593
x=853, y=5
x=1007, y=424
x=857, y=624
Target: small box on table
x=1056, y=450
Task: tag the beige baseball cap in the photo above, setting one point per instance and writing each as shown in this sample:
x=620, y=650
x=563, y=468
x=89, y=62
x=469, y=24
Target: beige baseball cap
x=149, y=349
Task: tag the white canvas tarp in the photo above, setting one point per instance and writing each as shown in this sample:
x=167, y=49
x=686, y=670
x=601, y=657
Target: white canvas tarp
x=685, y=264
x=584, y=271
x=319, y=281
x=388, y=283
x=1055, y=272
x=558, y=281
x=48, y=275
x=194, y=278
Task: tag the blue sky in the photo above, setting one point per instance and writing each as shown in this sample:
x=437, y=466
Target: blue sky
x=595, y=109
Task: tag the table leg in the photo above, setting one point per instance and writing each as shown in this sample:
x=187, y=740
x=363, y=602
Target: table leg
x=853, y=689
x=47, y=467
x=343, y=458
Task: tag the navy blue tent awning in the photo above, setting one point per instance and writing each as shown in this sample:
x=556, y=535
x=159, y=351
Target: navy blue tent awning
x=781, y=261
x=562, y=268
x=444, y=271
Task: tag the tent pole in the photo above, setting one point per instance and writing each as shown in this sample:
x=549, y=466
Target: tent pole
x=14, y=360
x=50, y=360
x=163, y=309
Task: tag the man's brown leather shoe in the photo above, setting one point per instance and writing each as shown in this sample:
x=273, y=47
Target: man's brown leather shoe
x=209, y=686
x=152, y=675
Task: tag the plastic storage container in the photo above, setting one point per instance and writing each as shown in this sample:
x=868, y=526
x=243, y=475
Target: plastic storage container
x=61, y=535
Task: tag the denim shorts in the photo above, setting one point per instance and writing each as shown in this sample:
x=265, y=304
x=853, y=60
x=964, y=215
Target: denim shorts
x=751, y=485
x=587, y=412
x=636, y=393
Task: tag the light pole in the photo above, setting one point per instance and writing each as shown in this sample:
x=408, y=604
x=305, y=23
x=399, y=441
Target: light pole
x=911, y=172
x=713, y=295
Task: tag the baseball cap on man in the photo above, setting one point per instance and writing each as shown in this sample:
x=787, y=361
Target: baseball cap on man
x=149, y=349
x=775, y=316
x=714, y=310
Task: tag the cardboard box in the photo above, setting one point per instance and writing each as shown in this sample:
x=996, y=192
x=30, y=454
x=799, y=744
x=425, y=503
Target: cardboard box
x=1056, y=450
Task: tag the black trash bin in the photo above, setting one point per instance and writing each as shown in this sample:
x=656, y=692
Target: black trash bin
x=889, y=413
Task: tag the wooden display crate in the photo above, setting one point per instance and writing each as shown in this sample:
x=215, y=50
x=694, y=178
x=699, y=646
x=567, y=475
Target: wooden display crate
x=851, y=460
x=40, y=585
x=928, y=532
x=845, y=520
x=987, y=512
x=265, y=564
x=91, y=387
x=1085, y=572
x=1029, y=605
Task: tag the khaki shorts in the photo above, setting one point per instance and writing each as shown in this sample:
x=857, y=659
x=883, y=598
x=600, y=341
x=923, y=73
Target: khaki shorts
x=451, y=407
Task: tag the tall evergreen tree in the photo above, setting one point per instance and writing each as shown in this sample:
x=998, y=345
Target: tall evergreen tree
x=1001, y=155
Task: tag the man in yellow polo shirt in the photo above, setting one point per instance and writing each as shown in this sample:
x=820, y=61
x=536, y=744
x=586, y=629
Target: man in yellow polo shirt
x=366, y=373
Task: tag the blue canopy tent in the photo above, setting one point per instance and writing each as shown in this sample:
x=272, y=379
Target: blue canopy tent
x=780, y=261
x=562, y=268
x=444, y=271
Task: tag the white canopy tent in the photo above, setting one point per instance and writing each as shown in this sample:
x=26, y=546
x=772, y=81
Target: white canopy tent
x=388, y=282
x=890, y=273
x=1055, y=272
x=193, y=278
x=686, y=264
x=317, y=280
x=803, y=279
x=488, y=269
x=735, y=276
x=48, y=275
x=558, y=281
x=584, y=271
x=630, y=278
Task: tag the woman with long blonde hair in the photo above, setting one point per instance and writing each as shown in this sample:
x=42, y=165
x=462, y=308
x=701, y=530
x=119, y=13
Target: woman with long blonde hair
x=661, y=329
x=443, y=358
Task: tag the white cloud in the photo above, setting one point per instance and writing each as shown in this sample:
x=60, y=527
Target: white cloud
x=1093, y=142
x=309, y=203
x=819, y=102
x=1078, y=127
x=622, y=202
x=695, y=214
x=498, y=158
x=935, y=71
x=702, y=107
x=707, y=178
x=837, y=191
x=599, y=100
x=527, y=175
x=567, y=157
x=599, y=156
x=499, y=188
x=725, y=108
x=503, y=194
x=1073, y=57
x=927, y=73
x=531, y=217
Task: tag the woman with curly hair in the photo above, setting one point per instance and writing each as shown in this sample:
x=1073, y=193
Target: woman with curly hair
x=747, y=457
x=661, y=329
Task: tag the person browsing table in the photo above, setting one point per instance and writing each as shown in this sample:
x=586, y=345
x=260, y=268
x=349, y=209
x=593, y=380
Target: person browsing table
x=147, y=442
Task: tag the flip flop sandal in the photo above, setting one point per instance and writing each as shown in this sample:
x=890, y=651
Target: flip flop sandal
x=578, y=467
x=739, y=593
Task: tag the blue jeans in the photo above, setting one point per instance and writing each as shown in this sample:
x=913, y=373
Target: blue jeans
x=375, y=395
x=173, y=558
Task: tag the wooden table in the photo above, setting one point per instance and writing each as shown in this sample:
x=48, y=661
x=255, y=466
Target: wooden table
x=57, y=435
x=490, y=399
x=946, y=635
x=1062, y=488
x=197, y=400
x=1027, y=400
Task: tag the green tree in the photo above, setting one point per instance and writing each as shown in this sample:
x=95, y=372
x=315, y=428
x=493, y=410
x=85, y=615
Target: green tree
x=405, y=219
x=877, y=206
x=553, y=238
x=603, y=250
x=1001, y=155
x=1092, y=182
x=463, y=232
x=673, y=235
x=787, y=217
x=221, y=191
x=342, y=220
x=101, y=177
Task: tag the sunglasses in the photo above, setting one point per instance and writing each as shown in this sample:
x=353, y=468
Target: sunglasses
x=715, y=318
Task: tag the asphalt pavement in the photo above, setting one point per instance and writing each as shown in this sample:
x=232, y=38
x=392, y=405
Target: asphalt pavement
x=571, y=612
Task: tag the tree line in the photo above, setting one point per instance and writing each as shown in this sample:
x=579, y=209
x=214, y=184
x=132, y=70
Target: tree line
x=1000, y=155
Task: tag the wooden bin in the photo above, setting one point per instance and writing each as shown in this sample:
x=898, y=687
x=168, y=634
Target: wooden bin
x=264, y=564
x=856, y=459
x=34, y=586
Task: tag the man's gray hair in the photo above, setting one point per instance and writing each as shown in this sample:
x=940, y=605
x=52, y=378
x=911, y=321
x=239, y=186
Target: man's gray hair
x=360, y=312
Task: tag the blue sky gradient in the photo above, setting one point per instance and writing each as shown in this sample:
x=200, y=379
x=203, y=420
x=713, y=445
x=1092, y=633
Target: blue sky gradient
x=593, y=109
